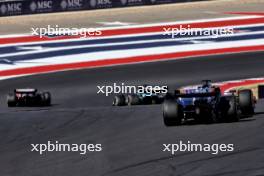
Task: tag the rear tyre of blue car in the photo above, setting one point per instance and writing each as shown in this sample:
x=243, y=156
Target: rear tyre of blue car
x=246, y=102
x=172, y=113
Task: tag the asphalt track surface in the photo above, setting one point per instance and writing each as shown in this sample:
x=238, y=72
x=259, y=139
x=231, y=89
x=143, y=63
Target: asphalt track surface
x=132, y=137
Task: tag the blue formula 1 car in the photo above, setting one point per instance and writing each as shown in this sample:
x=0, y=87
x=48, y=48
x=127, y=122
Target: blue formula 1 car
x=146, y=97
x=206, y=104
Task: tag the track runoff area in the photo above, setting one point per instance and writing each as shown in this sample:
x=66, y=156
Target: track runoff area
x=50, y=51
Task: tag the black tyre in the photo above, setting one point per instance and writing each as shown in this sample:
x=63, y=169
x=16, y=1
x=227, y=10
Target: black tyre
x=246, y=102
x=172, y=113
x=47, y=98
x=11, y=100
x=133, y=100
x=119, y=100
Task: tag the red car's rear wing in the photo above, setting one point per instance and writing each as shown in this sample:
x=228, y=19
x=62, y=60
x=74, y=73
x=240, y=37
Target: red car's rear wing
x=25, y=90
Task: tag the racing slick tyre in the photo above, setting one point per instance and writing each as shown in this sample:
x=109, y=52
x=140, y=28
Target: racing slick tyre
x=11, y=100
x=172, y=113
x=119, y=100
x=246, y=102
x=133, y=100
x=47, y=98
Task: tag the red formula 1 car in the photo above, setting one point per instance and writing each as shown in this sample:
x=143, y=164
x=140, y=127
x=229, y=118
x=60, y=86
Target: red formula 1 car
x=28, y=97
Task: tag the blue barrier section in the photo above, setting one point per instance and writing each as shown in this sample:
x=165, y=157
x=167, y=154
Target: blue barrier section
x=23, y=7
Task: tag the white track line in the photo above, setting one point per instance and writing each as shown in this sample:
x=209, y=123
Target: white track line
x=188, y=39
x=117, y=36
x=106, y=55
